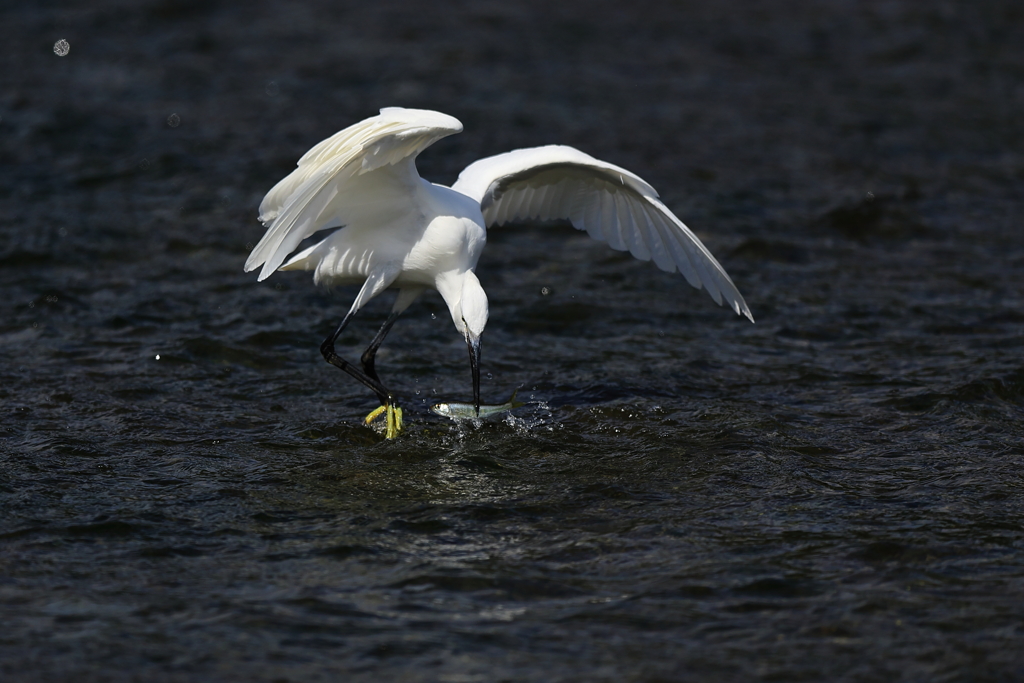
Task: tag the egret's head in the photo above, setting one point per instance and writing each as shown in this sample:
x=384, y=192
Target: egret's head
x=474, y=319
x=468, y=305
x=473, y=308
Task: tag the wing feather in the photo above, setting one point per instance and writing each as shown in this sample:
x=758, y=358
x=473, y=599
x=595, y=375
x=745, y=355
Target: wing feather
x=543, y=201
x=611, y=218
x=515, y=203
x=595, y=226
x=638, y=242
x=533, y=200
x=555, y=200
x=660, y=237
x=608, y=202
x=303, y=202
x=609, y=221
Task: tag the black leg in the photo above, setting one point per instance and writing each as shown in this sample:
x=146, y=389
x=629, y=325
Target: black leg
x=370, y=355
x=372, y=383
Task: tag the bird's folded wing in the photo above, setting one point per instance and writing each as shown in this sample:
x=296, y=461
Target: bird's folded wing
x=609, y=202
x=295, y=208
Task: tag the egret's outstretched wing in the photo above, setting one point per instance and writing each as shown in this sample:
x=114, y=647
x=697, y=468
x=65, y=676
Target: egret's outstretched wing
x=308, y=199
x=609, y=202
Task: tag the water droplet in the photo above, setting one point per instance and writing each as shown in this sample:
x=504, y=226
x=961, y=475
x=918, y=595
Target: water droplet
x=63, y=232
x=248, y=246
x=490, y=376
x=272, y=89
x=173, y=120
x=158, y=356
x=144, y=164
x=545, y=291
x=61, y=48
x=433, y=317
x=870, y=196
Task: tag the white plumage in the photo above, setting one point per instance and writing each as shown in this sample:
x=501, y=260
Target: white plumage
x=403, y=232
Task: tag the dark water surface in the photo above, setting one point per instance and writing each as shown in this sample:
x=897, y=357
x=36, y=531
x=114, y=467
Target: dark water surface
x=834, y=493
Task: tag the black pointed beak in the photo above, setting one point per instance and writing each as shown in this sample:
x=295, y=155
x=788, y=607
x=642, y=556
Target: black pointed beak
x=474, y=364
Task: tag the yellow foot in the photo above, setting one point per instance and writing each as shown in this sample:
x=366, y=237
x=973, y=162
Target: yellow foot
x=393, y=424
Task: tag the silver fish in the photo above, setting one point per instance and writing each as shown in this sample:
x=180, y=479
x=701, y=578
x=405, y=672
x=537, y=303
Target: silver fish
x=467, y=411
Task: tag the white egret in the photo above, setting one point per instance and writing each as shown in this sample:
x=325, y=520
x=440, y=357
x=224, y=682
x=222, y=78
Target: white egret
x=400, y=231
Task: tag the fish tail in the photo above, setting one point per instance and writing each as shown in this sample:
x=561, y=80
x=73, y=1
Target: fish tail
x=513, y=402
